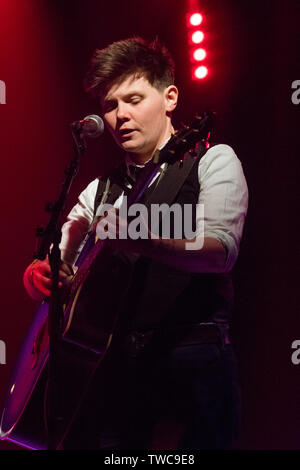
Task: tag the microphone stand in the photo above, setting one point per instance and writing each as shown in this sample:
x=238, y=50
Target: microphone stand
x=48, y=244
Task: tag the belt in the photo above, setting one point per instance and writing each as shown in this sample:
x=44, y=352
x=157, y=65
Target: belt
x=137, y=342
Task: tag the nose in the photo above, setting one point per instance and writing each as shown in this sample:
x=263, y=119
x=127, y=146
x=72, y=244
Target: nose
x=123, y=112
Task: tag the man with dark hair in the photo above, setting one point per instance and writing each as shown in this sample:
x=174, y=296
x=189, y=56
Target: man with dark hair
x=132, y=56
x=169, y=379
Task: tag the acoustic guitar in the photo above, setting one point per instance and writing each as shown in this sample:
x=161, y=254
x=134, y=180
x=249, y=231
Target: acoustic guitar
x=89, y=322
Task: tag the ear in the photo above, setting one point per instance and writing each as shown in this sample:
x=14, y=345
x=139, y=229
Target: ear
x=171, y=97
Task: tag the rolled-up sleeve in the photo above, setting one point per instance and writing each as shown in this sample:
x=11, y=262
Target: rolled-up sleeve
x=224, y=194
x=78, y=224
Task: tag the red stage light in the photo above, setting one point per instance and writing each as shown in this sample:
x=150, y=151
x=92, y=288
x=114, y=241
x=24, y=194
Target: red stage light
x=200, y=72
x=197, y=37
x=199, y=54
x=195, y=19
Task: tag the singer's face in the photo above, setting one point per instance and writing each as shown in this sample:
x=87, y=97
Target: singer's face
x=138, y=116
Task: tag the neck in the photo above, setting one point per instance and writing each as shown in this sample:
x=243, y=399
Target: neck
x=139, y=159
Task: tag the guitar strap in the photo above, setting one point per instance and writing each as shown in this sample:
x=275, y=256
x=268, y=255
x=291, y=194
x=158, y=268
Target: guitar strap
x=173, y=176
x=107, y=192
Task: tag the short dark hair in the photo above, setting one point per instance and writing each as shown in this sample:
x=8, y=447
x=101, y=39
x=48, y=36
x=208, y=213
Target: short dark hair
x=133, y=56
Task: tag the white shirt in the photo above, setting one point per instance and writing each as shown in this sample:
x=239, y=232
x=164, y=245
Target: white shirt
x=223, y=191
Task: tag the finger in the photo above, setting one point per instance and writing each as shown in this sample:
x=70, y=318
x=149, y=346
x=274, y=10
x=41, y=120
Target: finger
x=63, y=275
x=45, y=291
x=43, y=267
x=42, y=284
x=66, y=269
x=41, y=281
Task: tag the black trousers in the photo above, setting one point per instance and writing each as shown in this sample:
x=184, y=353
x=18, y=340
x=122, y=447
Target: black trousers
x=185, y=398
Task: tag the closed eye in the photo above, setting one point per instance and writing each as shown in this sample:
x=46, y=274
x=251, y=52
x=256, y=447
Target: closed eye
x=135, y=99
x=111, y=104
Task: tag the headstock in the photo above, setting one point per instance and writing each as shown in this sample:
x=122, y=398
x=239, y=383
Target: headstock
x=186, y=138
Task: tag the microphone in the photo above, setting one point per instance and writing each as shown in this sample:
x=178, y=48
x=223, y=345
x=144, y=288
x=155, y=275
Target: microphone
x=90, y=126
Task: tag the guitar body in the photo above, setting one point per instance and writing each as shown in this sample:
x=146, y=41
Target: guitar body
x=90, y=318
x=92, y=314
x=32, y=360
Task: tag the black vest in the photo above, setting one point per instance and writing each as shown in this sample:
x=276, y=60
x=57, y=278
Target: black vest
x=160, y=295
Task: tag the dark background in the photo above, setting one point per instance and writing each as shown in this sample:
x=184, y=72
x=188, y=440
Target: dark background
x=253, y=58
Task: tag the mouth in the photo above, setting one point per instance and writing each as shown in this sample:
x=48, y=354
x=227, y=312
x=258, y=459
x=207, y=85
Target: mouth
x=126, y=132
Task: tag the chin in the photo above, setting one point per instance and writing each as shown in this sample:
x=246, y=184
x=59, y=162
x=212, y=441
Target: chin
x=131, y=147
